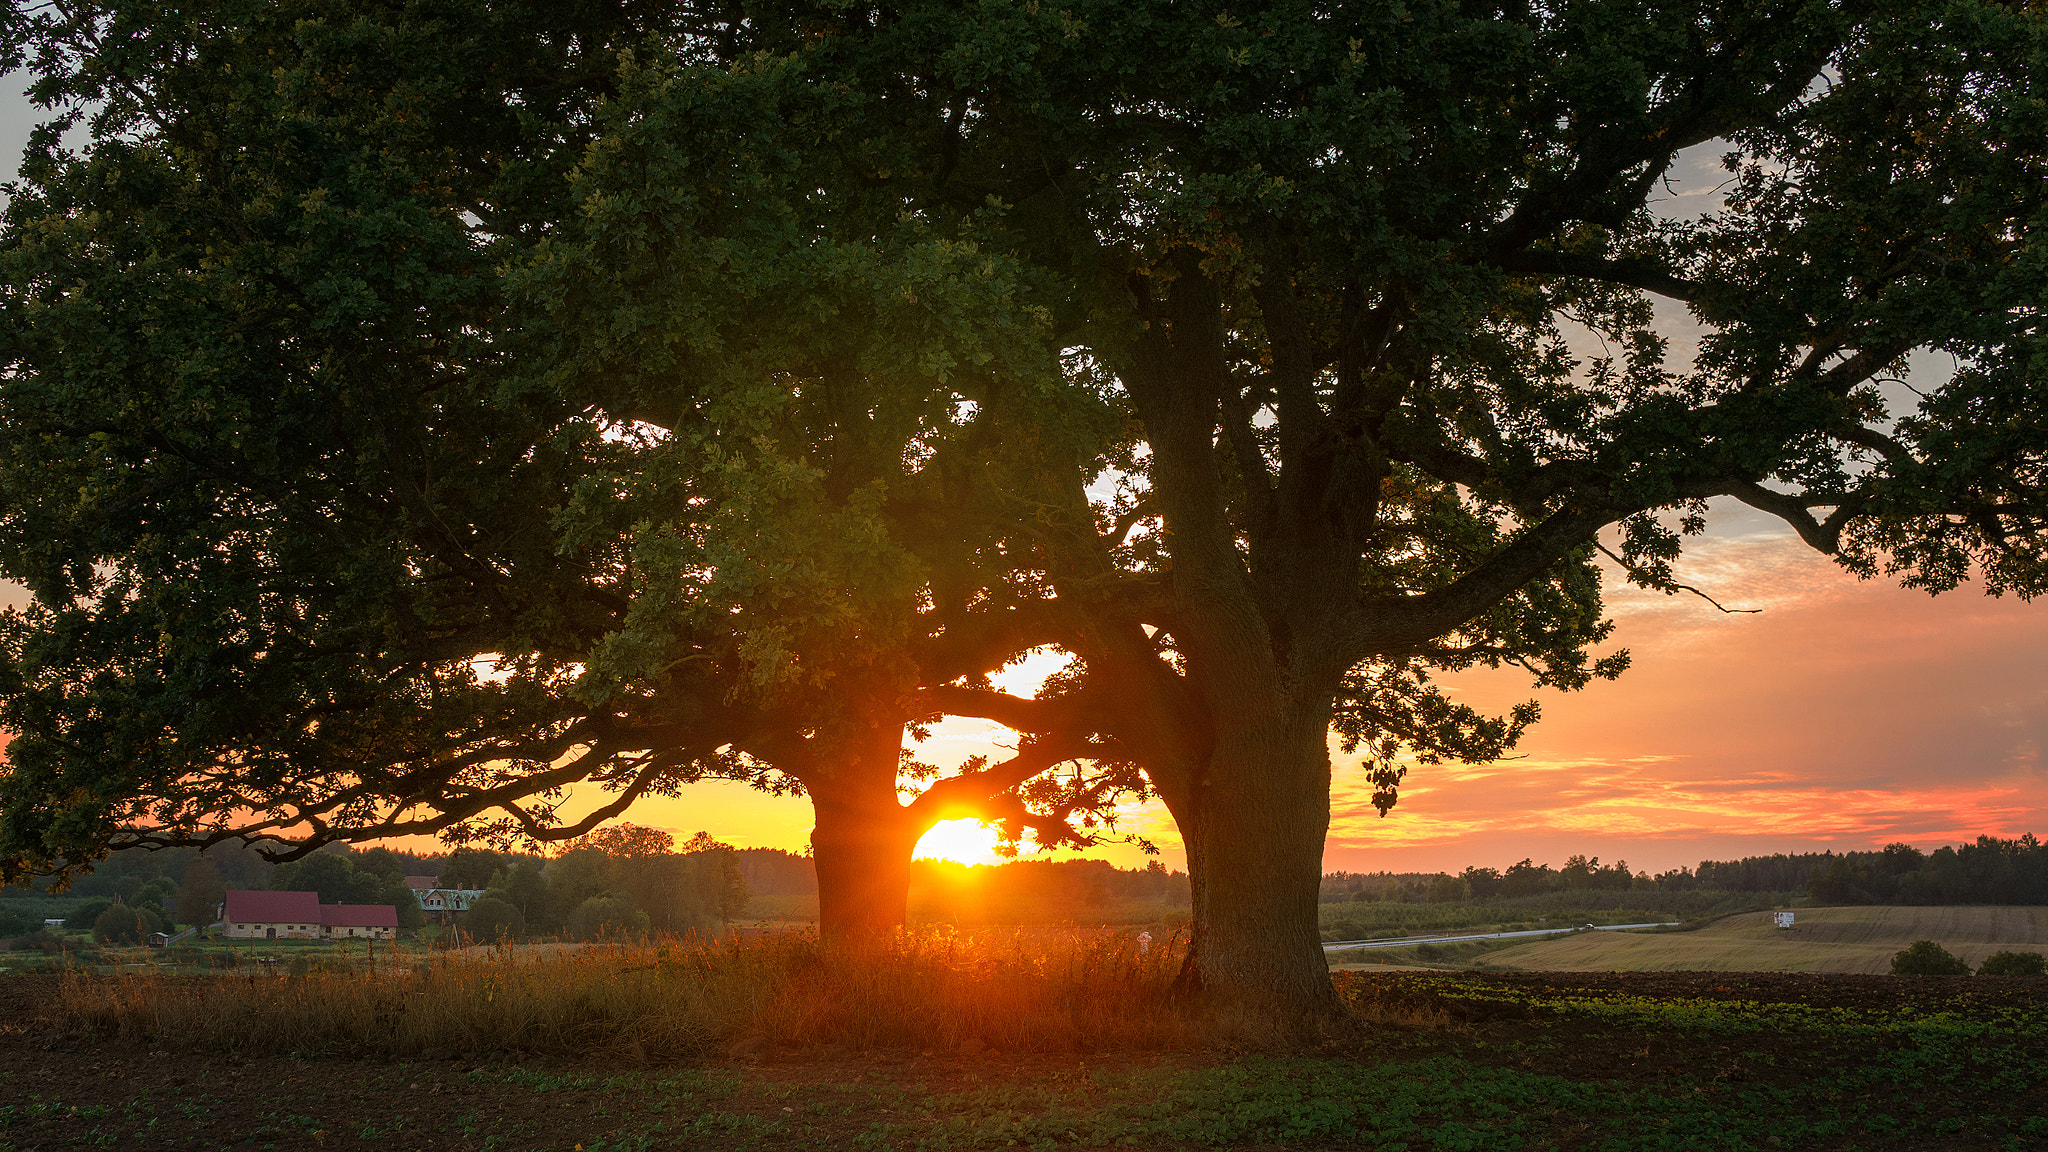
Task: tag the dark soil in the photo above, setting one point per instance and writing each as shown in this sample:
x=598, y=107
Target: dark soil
x=61, y=1088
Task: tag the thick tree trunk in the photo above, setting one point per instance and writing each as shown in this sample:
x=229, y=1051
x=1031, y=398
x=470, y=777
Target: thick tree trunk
x=862, y=838
x=863, y=860
x=1254, y=830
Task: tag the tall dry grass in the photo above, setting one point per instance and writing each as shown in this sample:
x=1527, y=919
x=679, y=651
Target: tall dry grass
x=1043, y=991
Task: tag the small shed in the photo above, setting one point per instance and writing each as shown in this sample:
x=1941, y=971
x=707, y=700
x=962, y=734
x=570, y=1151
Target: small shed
x=1782, y=919
x=159, y=940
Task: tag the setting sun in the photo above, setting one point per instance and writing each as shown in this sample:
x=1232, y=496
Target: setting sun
x=964, y=841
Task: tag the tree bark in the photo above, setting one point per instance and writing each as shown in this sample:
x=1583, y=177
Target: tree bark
x=862, y=837
x=1254, y=830
x=1254, y=636
x=862, y=856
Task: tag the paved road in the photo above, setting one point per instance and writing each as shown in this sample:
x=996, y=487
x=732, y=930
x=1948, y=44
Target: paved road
x=1354, y=945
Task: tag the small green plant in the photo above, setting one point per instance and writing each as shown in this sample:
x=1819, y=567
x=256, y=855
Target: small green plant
x=1926, y=958
x=2014, y=964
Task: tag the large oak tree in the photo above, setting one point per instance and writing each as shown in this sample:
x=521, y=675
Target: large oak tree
x=362, y=493
x=1330, y=256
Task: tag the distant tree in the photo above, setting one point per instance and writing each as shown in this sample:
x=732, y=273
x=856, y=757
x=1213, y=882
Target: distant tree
x=720, y=868
x=1448, y=889
x=241, y=867
x=576, y=876
x=607, y=916
x=1900, y=859
x=470, y=868
x=491, y=918
x=1578, y=872
x=18, y=921
x=695, y=889
x=1483, y=883
x=1614, y=877
x=1527, y=878
x=153, y=894
x=379, y=861
x=2014, y=964
x=526, y=888
x=1926, y=958
x=401, y=898
x=772, y=871
x=200, y=894
x=626, y=841
x=330, y=875
x=84, y=916
x=1676, y=880
x=703, y=842
x=119, y=924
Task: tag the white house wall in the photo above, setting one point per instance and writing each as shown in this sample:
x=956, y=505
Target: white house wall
x=254, y=931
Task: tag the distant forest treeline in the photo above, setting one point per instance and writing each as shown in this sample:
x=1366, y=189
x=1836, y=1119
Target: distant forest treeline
x=630, y=884
x=1989, y=871
x=622, y=879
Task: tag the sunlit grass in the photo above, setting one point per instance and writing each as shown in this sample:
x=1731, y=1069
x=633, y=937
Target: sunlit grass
x=1040, y=991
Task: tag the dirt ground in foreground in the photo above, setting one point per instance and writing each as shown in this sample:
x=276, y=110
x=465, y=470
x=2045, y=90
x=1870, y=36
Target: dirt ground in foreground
x=60, y=1088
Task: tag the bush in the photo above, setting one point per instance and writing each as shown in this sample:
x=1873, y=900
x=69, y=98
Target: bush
x=602, y=916
x=1926, y=958
x=119, y=924
x=2004, y=964
x=41, y=940
x=490, y=919
x=18, y=922
x=84, y=916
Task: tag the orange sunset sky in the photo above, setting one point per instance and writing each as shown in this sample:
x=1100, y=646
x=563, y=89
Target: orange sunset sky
x=1845, y=715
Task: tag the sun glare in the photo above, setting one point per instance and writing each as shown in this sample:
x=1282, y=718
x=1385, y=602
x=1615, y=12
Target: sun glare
x=965, y=841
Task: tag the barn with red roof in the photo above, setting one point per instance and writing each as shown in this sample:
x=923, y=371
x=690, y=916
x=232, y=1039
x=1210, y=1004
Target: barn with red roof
x=271, y=916
x=362, y=921
x=301, y=916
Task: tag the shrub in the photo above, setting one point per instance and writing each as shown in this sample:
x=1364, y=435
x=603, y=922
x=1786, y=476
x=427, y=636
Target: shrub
x=490, y=919
x=84, y=916
x=17, y=922
x=119, y=924
x=2009, y=964
x=1926, y=958
x=41, y=940
x=606, y=916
